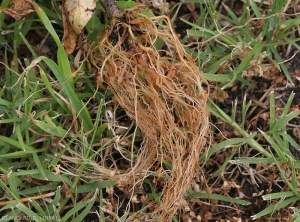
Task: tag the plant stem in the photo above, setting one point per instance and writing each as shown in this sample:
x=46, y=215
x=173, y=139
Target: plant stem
x=113, y=11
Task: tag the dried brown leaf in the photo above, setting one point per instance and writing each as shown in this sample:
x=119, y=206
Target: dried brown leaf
x=19, y=9
x=79, y=13
x=191, y=6
x=69, y=39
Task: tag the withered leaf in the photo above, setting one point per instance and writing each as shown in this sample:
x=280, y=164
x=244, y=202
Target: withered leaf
x=19, y=9
x=79, y=13
x=69, y=39
x=191, y=6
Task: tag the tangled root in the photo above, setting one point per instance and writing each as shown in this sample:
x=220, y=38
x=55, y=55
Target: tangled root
x=162, y=92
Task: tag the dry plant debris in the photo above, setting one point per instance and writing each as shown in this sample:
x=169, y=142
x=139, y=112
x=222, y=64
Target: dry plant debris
x=75, y=15
x=164, y=93
x=79, y=13
x=19, y=9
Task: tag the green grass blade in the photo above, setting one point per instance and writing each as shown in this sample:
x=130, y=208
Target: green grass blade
x=38, y=209
x=12, y=182
x=62, y=57
x=225, y=164
x=52, y=92
x=282, y=65
x=95, y=185
x=274, y=207
x=222, y=145
x=16, y=144
x=279, y=195
x=283, y=120
x=245, y=64
x=81, y=110
x=55, y=202
x=53, y=130
x=87, y=209
x=29, y=212
x=255, y=9
x=205, y=195
x=272, y=110
x=214, y=109
x=77, y=207
x=275, y=146
x=288, y=138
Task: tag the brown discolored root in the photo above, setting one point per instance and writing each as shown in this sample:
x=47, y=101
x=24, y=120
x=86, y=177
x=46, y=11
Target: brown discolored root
x=162, y=92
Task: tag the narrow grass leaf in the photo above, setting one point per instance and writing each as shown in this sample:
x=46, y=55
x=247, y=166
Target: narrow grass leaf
x=87, y=209
x=244, y=65
x=12, y=120
x=222, y=78
x=101, y=212
x=38, y=208
x=286, y=180
x=29, y=212
x=53, y=130
x=39, y=166
x=255, y=9
x=288, y=104
x=51, y=91
x=275, y=146
x=55, y=202
x=233, y=110
x=34, y=190
x=63, y=60
x=274, y=207
x=8, y=207
x=216, y=65
x=20, y=137
x=279, y=195
x=234, y=19
x=53, y=177
x=86, y=188
x=81, y=110
x=283, y=120
x=201, y=32
x=225, y=164
x=34, y=154
x=272, y=110
x=208, y=33
x=28, y=149
x=294, y=174
x=251, y=160
x=282, y=65
x=12, y=182
x=214, y=109
x=126, y=4
x=125, y=217
x=218, y=197
x=5, y=103
x=28, y=45
x=17, y=154
x=288, y=138
x=245, y=108
x=223, y=145
x=4, y=4
x=76, y=208
x=99, y=129
x=283, y=144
